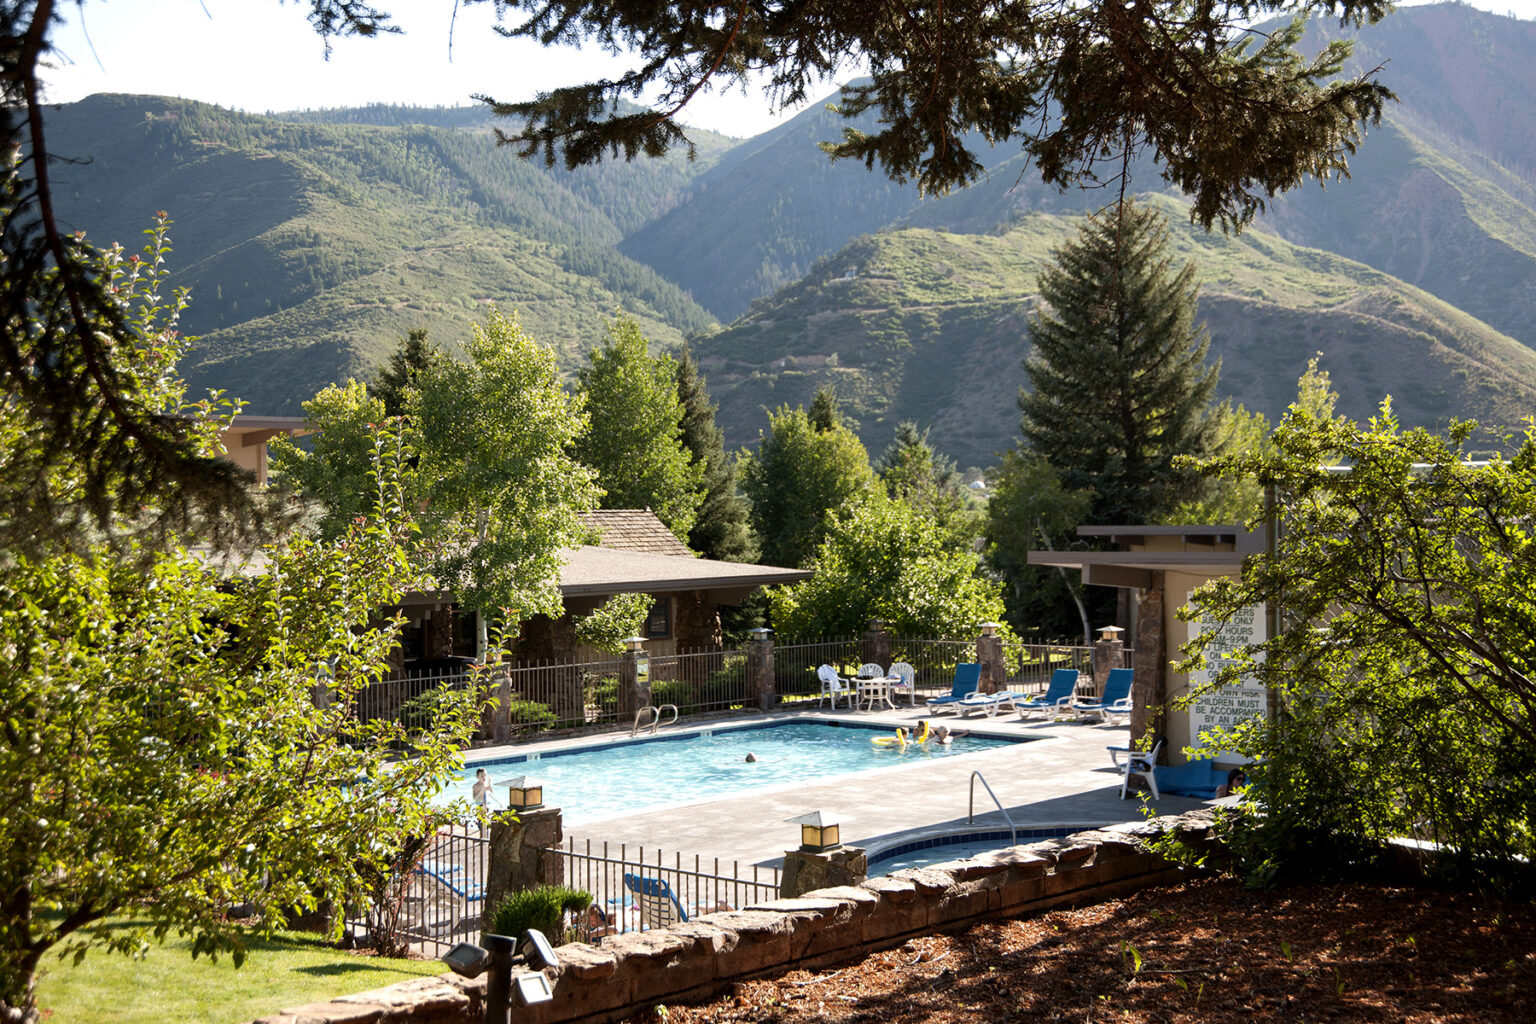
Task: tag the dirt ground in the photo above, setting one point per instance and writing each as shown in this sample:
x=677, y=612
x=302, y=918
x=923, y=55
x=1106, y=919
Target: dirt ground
x=1207, y=951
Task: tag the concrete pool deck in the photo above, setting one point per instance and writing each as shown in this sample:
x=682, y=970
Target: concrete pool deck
x=1064, y=777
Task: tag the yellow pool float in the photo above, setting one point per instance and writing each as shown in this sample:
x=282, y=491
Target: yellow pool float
x=899, y=740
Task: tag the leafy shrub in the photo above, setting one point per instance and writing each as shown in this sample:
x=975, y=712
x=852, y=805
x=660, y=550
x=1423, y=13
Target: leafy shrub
x=543, y=908
x=530, y=716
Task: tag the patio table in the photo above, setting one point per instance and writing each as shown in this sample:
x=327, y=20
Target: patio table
x=873, y=689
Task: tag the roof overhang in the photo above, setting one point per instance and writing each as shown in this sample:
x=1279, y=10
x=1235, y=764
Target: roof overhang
x=591, y=570
x=1144, y=550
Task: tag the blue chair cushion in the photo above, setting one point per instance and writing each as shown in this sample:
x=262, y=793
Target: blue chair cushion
x=1197, y=778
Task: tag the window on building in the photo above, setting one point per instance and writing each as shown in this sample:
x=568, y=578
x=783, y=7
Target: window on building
x=658, y=622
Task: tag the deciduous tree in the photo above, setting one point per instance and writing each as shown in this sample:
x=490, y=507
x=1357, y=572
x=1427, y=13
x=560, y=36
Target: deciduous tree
x=502, y=493
x=883, y=559
x=796, y=477
x=336, y=473
x=633, y=437
x=1402, y=668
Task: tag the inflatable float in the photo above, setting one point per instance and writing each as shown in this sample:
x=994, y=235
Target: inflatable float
x=900, y=739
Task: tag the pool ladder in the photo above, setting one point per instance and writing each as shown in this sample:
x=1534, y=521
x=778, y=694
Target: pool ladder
x=972, y=816
x=655, y=717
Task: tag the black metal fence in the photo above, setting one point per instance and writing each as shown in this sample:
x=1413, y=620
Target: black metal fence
x=636, y=890
x=434, y=900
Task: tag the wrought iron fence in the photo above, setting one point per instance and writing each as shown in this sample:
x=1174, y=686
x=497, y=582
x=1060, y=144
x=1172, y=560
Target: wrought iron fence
x=795, y=664
x=411, y=698
x=435, y=898
x=636, y=890
x=562, y=695
x=933, y=662
x=701, y=681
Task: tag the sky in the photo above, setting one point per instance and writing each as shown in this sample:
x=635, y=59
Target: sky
x=261, y=55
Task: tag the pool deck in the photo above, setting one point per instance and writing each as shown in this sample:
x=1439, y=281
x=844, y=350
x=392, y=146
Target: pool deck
x=1065, y=777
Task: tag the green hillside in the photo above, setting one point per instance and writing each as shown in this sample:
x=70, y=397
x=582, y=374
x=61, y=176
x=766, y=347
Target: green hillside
x=1443, y=195
x=929, y=325
x=310, y=247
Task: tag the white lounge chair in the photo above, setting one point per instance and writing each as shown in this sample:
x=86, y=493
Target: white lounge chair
x=834, y=687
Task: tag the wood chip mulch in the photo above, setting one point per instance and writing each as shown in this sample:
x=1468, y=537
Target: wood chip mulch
x=1208, y=951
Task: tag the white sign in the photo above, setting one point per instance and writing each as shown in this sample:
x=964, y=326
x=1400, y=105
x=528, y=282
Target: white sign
x=1237, y=702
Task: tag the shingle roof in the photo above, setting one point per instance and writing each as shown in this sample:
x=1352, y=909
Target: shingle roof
x=593, y=570
x=635, y=529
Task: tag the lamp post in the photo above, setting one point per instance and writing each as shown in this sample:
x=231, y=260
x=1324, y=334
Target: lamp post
x=816, y=836
x=499, y=954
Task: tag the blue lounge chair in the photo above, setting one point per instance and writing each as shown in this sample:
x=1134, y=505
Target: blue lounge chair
x=967, y=675
x=1056, y=699
x=655, y=900
x=1115, y=700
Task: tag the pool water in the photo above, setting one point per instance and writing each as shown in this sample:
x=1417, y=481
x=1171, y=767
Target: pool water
x=613, y=779
x=920, y=853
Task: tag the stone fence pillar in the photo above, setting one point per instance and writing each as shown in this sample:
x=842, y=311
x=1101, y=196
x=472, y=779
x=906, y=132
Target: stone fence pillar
x=877, y=644
x=524, y=854
x=1108, y=653
x=634, y=680
x=989, y=654
x=760, y=667
x=807, y=870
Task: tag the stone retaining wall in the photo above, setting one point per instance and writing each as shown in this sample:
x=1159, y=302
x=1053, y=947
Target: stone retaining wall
x=698, y=960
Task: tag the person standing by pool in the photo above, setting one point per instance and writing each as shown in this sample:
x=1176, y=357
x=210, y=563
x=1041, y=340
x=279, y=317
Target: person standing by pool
x=482, y=790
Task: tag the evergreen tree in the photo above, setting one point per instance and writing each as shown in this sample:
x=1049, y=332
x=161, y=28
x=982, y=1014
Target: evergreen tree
x=721, y=529
x=797, y=477
x=825, y=414
x=1120, y=382
x=633, y=438
x=414, y=356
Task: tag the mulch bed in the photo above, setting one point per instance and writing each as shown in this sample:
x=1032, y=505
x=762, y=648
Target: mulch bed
x=1207, y=951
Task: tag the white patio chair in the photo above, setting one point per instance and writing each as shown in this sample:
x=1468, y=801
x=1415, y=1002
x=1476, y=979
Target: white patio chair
x=833, y=686
x=1140, y=762
x=873, y=687
x=908, y=676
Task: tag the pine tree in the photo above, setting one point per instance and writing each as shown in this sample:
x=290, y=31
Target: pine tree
x=1119, y=374
x=414, y=357
x=928, y=481
x=721, y=530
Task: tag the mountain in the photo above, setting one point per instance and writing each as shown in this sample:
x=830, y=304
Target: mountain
x=311, y=244
x=931, y=325
x=313, y=240
x=1441, y=194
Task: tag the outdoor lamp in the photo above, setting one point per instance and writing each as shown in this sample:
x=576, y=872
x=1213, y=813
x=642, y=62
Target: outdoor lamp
x=814, y=834
x=470, y=961
x=1108, y=633
x=523, y=794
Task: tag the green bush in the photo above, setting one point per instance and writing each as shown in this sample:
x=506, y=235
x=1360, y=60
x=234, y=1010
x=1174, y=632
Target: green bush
x=675, y=691
x=543, y=908
x=530, y=716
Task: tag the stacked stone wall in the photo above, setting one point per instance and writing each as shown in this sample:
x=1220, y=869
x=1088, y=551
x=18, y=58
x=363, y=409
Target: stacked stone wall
x=703, y=958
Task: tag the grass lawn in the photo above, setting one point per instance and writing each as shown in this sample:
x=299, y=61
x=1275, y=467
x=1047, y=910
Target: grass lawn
x=169, y=987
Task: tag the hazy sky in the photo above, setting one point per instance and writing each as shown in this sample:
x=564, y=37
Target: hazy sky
x=259, y=55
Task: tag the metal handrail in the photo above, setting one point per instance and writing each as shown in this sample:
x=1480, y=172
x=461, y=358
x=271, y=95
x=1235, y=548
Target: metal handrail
x=971, y=817
x=656, y=720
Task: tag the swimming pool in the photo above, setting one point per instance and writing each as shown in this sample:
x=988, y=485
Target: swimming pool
x=611, y=779
x=922, y=851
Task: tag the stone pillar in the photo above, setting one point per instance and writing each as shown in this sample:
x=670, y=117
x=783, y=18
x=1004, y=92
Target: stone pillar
x=1108, y=653
x=760, y=668
x=989, y=654
x=524, y=854
x=634, y=680
x=808, y=870
x=501, y=720
x=877, y=644
x=1149, y=691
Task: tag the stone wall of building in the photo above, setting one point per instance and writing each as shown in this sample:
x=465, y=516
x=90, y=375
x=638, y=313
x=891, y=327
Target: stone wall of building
x=701, y=959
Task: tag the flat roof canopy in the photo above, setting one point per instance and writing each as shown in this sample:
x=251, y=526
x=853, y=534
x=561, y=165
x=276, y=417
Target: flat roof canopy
x=1144, y=550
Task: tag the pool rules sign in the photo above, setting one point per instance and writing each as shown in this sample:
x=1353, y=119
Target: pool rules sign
x=1236, y=702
